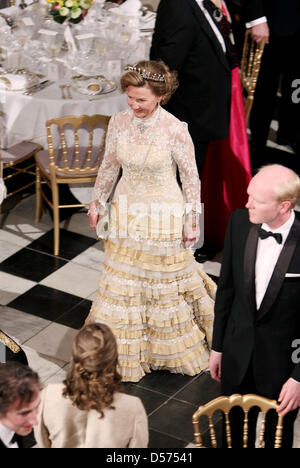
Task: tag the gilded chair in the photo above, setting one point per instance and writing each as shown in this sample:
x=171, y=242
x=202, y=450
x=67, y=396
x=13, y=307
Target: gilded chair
x=17, y=160
x=225, y=404
x=75, y=159
x=250, y=66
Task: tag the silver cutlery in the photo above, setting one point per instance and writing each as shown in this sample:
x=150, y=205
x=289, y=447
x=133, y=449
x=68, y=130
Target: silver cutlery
x=68, y=86
x=38, y=87
x=62, y=87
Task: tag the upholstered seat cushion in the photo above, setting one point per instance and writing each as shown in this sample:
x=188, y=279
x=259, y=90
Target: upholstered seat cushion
x=17, y=152
x=43, y=161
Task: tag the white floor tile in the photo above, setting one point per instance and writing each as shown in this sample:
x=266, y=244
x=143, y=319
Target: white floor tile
x=92, y=257
x=7, y=249
x=55, y=341
x=12, y=287
x=21, y=325
x=74, y=279
x=45, y=366
x=79, y=223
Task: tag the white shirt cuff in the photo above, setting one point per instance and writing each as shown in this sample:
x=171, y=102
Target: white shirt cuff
x=261, y=20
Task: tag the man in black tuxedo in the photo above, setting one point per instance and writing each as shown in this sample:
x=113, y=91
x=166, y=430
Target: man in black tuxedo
x=188, y=41
x=185, y=40
x=278, y=22
x=19, y=403
x=257, y=319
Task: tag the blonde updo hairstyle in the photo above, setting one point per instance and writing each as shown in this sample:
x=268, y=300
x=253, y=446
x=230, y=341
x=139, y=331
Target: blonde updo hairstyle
x=92, y=378
x=163, y=88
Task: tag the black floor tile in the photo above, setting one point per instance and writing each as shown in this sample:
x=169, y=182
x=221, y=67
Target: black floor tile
x=175, y=419
x=151, y=400
x=75, y=318
x=45, y=302
x=165, y=382
x=200, y=390
x=159, y=440
x=71, y=244
x=31, y=265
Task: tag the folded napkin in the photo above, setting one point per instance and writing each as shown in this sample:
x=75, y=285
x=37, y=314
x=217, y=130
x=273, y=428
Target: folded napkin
x=148, y=20
x=129, y=8
x=17, y=82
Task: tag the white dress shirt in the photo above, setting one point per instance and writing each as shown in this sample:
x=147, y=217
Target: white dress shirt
x=257, y=21
x=6, y=435
x=268, y=251
x=212, y=24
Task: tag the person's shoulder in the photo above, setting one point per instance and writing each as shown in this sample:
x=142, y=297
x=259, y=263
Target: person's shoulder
x=240, y=217
x=171, y=119
x=127, y=401
x=53, y=390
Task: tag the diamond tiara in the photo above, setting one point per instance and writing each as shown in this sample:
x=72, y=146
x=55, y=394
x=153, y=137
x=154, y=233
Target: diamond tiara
x=146, y=75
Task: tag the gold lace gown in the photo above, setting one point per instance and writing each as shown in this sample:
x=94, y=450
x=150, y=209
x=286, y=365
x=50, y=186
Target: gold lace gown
x=152, y=293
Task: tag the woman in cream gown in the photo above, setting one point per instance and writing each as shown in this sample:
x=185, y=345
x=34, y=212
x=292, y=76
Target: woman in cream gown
x=152, y=294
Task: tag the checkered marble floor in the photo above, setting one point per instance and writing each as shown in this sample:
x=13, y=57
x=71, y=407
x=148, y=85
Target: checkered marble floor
x=44, y=300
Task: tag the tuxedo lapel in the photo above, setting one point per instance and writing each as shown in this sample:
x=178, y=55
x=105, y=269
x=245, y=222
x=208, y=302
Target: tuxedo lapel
x=280, y=269
x=249, y=265
x=205, y=26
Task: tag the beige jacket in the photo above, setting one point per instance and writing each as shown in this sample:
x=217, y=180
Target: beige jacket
x=62, y=425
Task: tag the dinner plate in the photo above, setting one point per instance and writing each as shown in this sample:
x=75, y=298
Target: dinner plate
x=93, y=85
x=19, y=80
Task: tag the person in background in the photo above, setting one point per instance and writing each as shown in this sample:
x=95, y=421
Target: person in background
x=88, y=409
x=257, y=320
x=19, y=403
x=279, y=25
x=194, y=37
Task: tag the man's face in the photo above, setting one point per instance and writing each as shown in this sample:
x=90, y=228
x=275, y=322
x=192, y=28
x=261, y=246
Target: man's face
x=21, y=418
x=262, y=204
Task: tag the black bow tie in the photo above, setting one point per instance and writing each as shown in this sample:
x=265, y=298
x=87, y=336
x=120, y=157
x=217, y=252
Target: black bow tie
x=14, y=439
x=264, y=234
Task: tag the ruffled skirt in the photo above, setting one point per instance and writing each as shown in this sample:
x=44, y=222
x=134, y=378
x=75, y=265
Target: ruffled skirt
x=159, y=304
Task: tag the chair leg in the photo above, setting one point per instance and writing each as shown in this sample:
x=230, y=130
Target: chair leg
x=55, y=201
x=38, y=196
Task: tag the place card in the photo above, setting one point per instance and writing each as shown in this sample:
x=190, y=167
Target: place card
x=47, y=32
x=85, y=36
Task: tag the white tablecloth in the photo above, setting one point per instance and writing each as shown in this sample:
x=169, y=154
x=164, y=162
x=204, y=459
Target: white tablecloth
x=25, y=116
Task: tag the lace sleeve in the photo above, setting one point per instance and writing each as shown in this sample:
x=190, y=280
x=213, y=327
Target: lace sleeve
x=184, y=154
x=109, y=169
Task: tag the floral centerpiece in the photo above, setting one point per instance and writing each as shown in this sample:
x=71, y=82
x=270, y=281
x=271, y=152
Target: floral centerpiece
x=70, y=10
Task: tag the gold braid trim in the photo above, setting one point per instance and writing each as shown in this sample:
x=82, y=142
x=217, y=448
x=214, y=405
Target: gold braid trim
x=11, y=344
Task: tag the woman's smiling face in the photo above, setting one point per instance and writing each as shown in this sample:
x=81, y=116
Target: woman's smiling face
x=142, y=101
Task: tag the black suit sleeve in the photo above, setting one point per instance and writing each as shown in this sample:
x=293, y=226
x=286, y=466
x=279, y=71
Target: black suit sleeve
x=174, y=33
x=253, y=9
x=225, y=291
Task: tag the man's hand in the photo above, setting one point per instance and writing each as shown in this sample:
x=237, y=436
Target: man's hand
x=289, y=397
x=260, y=32
x=215, y=365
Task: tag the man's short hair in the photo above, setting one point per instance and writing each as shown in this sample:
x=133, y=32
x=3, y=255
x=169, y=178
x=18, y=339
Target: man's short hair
x=17, y=383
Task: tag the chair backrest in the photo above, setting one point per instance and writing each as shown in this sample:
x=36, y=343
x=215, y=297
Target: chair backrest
x=78, y=150
x=225, y=403
x=250, y=66
x=6, y=3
